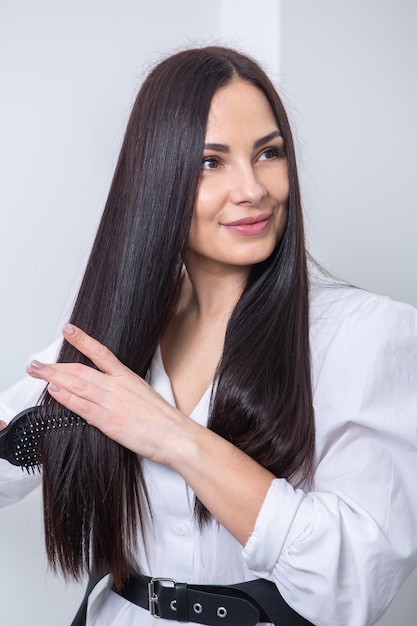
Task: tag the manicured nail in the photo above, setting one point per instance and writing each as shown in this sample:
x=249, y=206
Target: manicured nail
x=36, y=365
x=54, y=388
x=69, y=329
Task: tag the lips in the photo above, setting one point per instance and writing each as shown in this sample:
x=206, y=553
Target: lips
x=254, y=219
x=250, y=225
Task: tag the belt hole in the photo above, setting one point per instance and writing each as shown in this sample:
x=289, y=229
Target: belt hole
x=197, y=608
x=221, y=611
x=173, y=605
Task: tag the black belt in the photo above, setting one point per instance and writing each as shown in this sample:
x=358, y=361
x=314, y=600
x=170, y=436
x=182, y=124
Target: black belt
x=243, y=604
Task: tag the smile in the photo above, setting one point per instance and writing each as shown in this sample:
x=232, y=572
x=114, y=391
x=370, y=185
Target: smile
x=249, y=225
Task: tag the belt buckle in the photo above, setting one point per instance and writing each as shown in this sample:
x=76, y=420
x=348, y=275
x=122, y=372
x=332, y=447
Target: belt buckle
x=153, y=596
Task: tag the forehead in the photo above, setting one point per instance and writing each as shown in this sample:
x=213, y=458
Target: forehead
x=240, y=108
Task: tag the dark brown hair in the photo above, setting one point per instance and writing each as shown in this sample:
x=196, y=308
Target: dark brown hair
x=94, y=492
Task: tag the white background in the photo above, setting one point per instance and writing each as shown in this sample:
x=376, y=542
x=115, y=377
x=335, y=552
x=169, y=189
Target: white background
x=69, y=74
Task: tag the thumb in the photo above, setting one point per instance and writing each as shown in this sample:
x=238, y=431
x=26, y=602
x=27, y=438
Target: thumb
x=2, y=424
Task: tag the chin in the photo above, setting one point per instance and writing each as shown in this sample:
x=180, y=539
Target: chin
x=257, y=257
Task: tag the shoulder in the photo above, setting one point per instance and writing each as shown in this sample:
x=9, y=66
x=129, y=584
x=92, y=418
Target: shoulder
x=362, y=346
x=364, y=360
x=346, y=314
x=364, y=371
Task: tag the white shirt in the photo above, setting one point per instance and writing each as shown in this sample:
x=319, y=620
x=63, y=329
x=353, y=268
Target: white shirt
x=338, y=553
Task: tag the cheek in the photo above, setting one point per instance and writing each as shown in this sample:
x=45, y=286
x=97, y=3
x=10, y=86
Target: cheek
x=212, y=194
x=281, y=186
x=203, y=206
x=205, y=209
x=198, y=224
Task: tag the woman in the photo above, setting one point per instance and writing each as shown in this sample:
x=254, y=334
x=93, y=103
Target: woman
x=195, y=310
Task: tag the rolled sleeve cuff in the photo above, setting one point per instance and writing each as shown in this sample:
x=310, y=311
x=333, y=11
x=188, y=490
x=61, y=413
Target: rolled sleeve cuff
x=277, y=526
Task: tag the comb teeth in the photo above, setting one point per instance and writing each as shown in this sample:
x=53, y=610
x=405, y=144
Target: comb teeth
x=28, y=429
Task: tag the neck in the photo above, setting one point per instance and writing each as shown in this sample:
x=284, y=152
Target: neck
x=212, y=291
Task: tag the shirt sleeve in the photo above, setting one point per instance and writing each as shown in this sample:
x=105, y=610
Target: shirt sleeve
x=15, y=482
x=340, y=552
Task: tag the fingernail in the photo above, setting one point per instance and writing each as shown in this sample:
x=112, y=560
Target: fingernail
x=54, y=388
x=36, y=365
x=69, y=329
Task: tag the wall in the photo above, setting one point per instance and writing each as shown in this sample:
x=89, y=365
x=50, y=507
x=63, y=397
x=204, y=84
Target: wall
x=349, y=76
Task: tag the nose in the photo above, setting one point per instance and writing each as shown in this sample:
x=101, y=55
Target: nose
x=246, y=187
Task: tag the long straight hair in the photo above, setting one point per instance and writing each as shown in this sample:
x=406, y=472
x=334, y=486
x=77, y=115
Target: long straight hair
x=93, y=489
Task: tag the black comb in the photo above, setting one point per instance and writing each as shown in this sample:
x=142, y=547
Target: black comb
x=19, y=441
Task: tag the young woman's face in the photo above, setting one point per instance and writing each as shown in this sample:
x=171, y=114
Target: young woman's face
x=241, y=205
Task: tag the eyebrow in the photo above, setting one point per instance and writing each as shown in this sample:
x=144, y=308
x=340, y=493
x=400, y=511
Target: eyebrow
x=216, y=147
x=263, y=140
x=221, y=147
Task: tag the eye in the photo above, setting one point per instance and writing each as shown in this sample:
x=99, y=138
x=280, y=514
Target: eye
x=271, y=153
x=209, y=163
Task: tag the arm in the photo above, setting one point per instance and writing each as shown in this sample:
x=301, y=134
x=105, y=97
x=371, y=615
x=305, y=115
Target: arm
x=339, y=553
x=347, y=546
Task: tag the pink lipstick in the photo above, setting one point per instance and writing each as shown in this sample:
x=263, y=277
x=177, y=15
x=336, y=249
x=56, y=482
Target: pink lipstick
x=250, y=225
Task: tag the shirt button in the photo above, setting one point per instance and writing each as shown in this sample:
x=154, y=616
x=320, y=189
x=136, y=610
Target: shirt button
x=181, y=529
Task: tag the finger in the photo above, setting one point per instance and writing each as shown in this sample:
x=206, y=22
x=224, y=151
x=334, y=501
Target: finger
x=81, y=406
x=81, y=396
x=93, y=389
x=125, y=379
x=139, y=428
x=2, y=425
x=80, y=380
x=46, y=371
x=111, y=423
x=101, y=356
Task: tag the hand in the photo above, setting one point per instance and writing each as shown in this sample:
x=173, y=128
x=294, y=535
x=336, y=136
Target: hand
x=2, y=425
x=114, y=399
x=125, y=408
